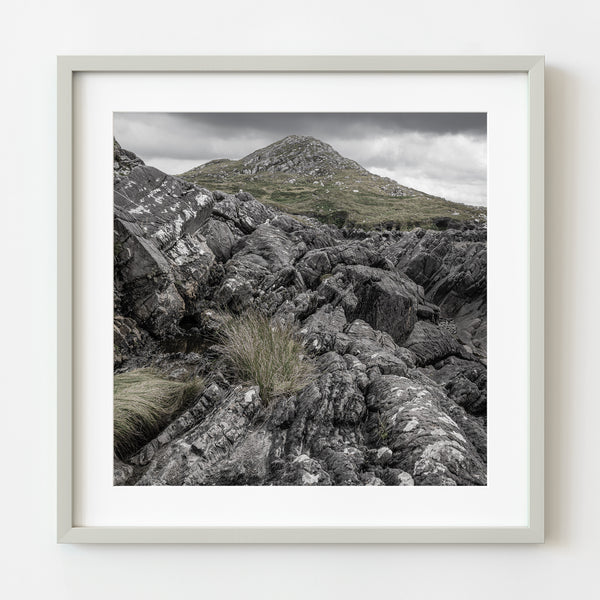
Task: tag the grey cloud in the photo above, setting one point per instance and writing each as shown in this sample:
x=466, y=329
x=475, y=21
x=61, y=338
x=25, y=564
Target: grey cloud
x=443, y=151
x=332, y=123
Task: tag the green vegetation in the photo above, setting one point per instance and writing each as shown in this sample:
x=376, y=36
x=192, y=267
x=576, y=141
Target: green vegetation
x=347, y=197
x=144, y=403
x=382, y=430
x=265, y=354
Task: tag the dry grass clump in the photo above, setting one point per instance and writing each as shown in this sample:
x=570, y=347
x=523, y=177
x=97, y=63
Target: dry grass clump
x=144, y=403
x=265, y=354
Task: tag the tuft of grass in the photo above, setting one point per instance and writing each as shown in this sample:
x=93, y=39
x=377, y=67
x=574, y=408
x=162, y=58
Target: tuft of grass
x=144, y=403
x=265, y=354
x=382, y=430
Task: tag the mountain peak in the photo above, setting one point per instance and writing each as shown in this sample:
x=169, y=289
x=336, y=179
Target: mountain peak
x=298, y=154
x=298, y=138
x=303, y=175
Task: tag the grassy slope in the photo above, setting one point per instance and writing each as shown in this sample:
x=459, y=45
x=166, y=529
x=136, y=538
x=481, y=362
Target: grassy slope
x=333, y=199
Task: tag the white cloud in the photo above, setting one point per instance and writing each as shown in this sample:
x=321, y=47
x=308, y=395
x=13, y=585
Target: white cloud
x=452, y=166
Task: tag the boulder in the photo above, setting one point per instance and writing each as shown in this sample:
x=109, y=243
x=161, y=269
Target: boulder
x=424, y=440
x=386, y=300
x=431, y=344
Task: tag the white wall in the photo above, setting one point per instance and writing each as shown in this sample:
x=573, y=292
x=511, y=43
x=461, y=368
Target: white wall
x=33, y=33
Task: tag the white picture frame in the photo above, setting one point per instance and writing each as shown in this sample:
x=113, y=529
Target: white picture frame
x=68, y=531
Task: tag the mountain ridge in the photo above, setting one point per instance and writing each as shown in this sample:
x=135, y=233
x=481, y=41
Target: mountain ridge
x=306, y=176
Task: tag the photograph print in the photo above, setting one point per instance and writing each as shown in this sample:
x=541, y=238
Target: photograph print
x=300, y=299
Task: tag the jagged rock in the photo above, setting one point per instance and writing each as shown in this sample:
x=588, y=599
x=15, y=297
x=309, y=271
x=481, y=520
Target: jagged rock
x=246, y=215
x=429, y=312
x=124, y=161
x=386, y=300
x=321, y=329
x=394, y=323
x=245, y=197
x=161, y=262
x=375, y=349
x=301, y=155
x=431, y=344
x=304, y=470
x=380, y=456
x=395, y=477
x=221, y=237
x=128, y=339
x=452, y=268
x=424, y=440
x=201, y=455
x=465, y=382
x=266, y=251
x=165, y=208
x=317, y=264
x=121, y=472
x=295, y=309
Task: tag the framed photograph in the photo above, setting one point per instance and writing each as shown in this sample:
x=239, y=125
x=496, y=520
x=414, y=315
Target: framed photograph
x=301, y=299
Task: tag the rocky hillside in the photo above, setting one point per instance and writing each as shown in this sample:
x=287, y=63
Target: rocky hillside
x=305, y=176
x=392, y=323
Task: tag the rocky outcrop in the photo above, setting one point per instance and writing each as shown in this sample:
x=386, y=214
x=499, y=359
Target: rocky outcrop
x=161, y=261
x=386, y=300
x=394, y=325
x=431, y=344
x=452, y=268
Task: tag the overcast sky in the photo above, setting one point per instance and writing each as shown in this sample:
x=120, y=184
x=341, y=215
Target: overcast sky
x=443, y=154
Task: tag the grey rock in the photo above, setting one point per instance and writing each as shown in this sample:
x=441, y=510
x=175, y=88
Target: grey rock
x=425, y=441
x=394, y=323
x=431, y=344
x=128, y=339
x=465, y=382
x=298, y=154
x=221, y=237
x=124, y=161
x=318, y=264
x=161, y=261
x=385, y=300
x=246, y=215
x=304, y=470
x=452, y=268
x=321, y=329
x=122, y=472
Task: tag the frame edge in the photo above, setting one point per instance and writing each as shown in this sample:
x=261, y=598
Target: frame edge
x=67, y=66
x=331, y=63
x=536, y=298
x=64, y=428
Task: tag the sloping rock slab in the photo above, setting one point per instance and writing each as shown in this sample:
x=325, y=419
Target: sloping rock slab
x=424, y=440
x=385, y=300
x=431, y=344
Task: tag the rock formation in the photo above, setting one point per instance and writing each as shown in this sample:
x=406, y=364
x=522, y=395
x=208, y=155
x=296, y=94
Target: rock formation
x=394, y=323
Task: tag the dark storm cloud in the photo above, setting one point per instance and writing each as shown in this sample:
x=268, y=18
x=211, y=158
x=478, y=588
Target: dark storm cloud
x=331, y=123
x=440, y=153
